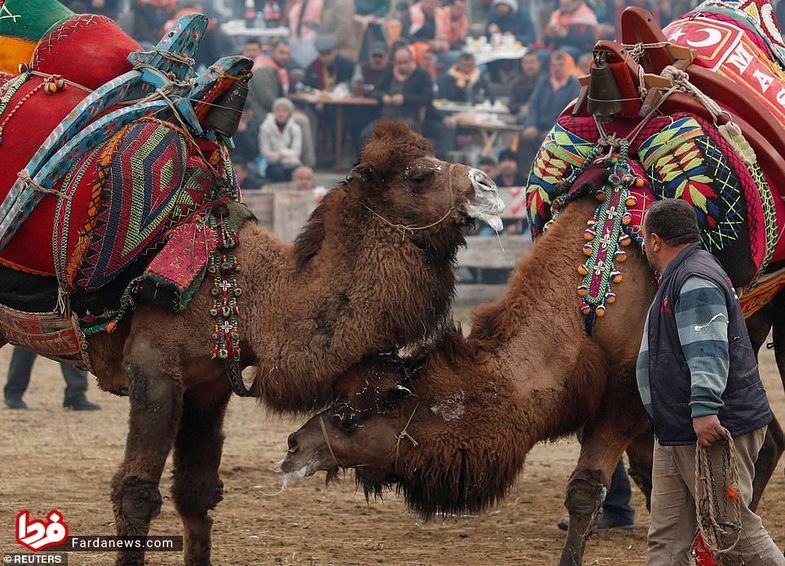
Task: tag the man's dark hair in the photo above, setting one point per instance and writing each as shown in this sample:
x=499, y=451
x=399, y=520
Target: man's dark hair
x=253, y=41
x=507, y=155
x=464, y=56
x=486, y=160
x=277, y=42
x=674, y=221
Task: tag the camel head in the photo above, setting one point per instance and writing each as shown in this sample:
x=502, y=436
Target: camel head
x=421, y=426
x=399, y=182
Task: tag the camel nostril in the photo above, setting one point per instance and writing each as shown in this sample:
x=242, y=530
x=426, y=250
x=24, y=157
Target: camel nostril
x=293, y=446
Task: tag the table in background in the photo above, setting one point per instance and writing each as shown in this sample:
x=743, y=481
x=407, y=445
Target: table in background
x=339, y=104
x=237, y=28
x=489, y=130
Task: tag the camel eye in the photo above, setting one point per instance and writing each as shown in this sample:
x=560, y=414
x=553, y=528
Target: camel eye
x=420, y=174
x=395, y=396
x=345, y=421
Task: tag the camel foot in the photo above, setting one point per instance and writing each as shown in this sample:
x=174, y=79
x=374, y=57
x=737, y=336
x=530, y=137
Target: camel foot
x=585, y=494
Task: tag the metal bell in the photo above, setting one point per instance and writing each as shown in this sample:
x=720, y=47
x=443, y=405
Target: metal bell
x=604, y=97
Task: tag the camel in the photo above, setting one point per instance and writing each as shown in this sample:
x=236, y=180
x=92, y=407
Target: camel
x=450, y=429
x=371, y=270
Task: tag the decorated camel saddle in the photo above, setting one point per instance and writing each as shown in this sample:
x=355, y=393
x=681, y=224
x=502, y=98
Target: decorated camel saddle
x=695, y=111
x=115, y=181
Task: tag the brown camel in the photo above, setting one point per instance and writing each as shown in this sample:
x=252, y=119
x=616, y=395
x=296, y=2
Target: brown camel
x=450, y=430
x=372, y=270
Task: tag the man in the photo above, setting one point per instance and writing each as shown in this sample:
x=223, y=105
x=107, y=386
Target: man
x=523, y=87
x=507, y=18
x=19, y=378
x=551, y=95
x=330, y=68
x=252, y=49
x=698, y=380
x=377, y=65
x=464, y=82
x=509, y=175
x=404, y=92
x=573, y=28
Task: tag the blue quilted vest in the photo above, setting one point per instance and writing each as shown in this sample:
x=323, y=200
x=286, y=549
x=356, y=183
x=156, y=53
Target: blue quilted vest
x=746, y=407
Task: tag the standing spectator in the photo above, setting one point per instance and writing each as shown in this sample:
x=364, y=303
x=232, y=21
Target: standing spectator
x=523, y=87
x=404, y=92
x=552, y=94
x=252, y=49
x=454, y=24
x=464, y=82
x=149, y=17
x=699, y=382
x=19, y=370
x=330, y=68
x=509, y=175
x=338, y=21
x=373, y=31
x=305, y=18
x=507, y=18
x=280, y=139
x=421, y=22
x=572, y=28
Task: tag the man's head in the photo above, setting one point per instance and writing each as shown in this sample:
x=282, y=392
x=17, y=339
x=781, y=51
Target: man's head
x=429, y=6
x=459, y=9
x=326, y=47
x=558, y=65
x=466, y=63
x=377, y=56
x=569, y=6
x=670, y=226
x=403, y=60
x=303, y=178
x=504, y=8
x=531, y=64
x=252, y=49
x=508, y=162
x=488, y=166
x=281, y=53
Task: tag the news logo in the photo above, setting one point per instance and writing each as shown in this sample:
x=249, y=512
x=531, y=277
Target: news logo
x=38, y=534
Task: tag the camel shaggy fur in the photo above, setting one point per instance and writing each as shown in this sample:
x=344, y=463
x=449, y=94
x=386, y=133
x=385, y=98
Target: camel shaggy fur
x=371, y=271
x=450, y=430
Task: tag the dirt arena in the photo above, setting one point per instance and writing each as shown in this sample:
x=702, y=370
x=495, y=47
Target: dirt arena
x=56, y=459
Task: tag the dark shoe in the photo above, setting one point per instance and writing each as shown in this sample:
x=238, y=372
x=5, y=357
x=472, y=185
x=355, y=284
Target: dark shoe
x=601, y=521
x=81, y=405
x=14, y=403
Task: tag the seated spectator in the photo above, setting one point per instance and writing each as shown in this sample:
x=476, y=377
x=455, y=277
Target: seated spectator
x=421, y=22
x=489, y=166
x=463, y=82
x=424, y=58
x=509, y=175
x=252, y=49
x=403, y=92
x=523, y=87
x=247, y=177
x=280, y=139
x=573, y=27
x=330, y=68
x=377, y=65
x=507, y=18
x=305, y=18
x=553, y=92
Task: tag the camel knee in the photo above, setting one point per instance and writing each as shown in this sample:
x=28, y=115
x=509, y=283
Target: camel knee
x=136, y=502
x=194, y=497
x=585, y=493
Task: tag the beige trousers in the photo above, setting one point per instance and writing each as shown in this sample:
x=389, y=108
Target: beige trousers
x=673, y=523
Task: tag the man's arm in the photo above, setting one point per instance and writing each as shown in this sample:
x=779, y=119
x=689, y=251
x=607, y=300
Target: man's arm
x=702, y=321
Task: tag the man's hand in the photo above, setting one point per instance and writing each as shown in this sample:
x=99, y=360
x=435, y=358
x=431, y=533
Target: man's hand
x=708, y=430
x=396, y=100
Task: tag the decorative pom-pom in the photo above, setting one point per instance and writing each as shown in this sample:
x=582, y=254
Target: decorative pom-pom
x=600, y=196
x=587, y=249
x=731, y=492
x=631, y=201
x=600, y=310
x=625, y=240
x=111, y=327
x=639, y=182
x=626, y=219
x=588, y=234
x=610, y=298
x=616, y=277
x=582, y=291
x=585, y=309
x=620, y=256
x=627, y=180
x=583, y=270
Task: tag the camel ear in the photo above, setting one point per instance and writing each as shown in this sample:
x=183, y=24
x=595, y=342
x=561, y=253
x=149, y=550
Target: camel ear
x=368, y=175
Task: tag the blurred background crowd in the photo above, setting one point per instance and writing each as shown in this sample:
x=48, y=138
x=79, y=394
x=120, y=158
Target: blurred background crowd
x=484, y=80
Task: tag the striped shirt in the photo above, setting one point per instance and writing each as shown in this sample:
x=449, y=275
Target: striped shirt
x=702, y=321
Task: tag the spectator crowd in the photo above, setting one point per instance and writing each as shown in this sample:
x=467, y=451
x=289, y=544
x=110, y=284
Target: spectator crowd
x=418, y=60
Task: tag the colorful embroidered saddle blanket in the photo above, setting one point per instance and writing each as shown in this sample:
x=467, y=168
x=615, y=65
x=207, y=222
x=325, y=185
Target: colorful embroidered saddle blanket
x=690, y=151
x=106, y=149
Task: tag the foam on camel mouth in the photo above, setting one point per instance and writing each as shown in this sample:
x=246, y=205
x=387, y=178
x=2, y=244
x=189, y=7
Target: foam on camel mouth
x=487, y=204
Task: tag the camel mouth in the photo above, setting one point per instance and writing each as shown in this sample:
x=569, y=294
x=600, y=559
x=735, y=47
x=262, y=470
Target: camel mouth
x=292, y=466
x=486, y=205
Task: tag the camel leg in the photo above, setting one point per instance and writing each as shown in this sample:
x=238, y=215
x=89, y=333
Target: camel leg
x=604, y=442
x=197, y=453
x=156, y=404
x=641, y=454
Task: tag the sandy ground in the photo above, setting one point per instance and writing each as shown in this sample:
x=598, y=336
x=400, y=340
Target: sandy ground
x=52, y=458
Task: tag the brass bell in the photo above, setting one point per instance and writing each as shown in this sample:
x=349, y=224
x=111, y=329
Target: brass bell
x=604, y=97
